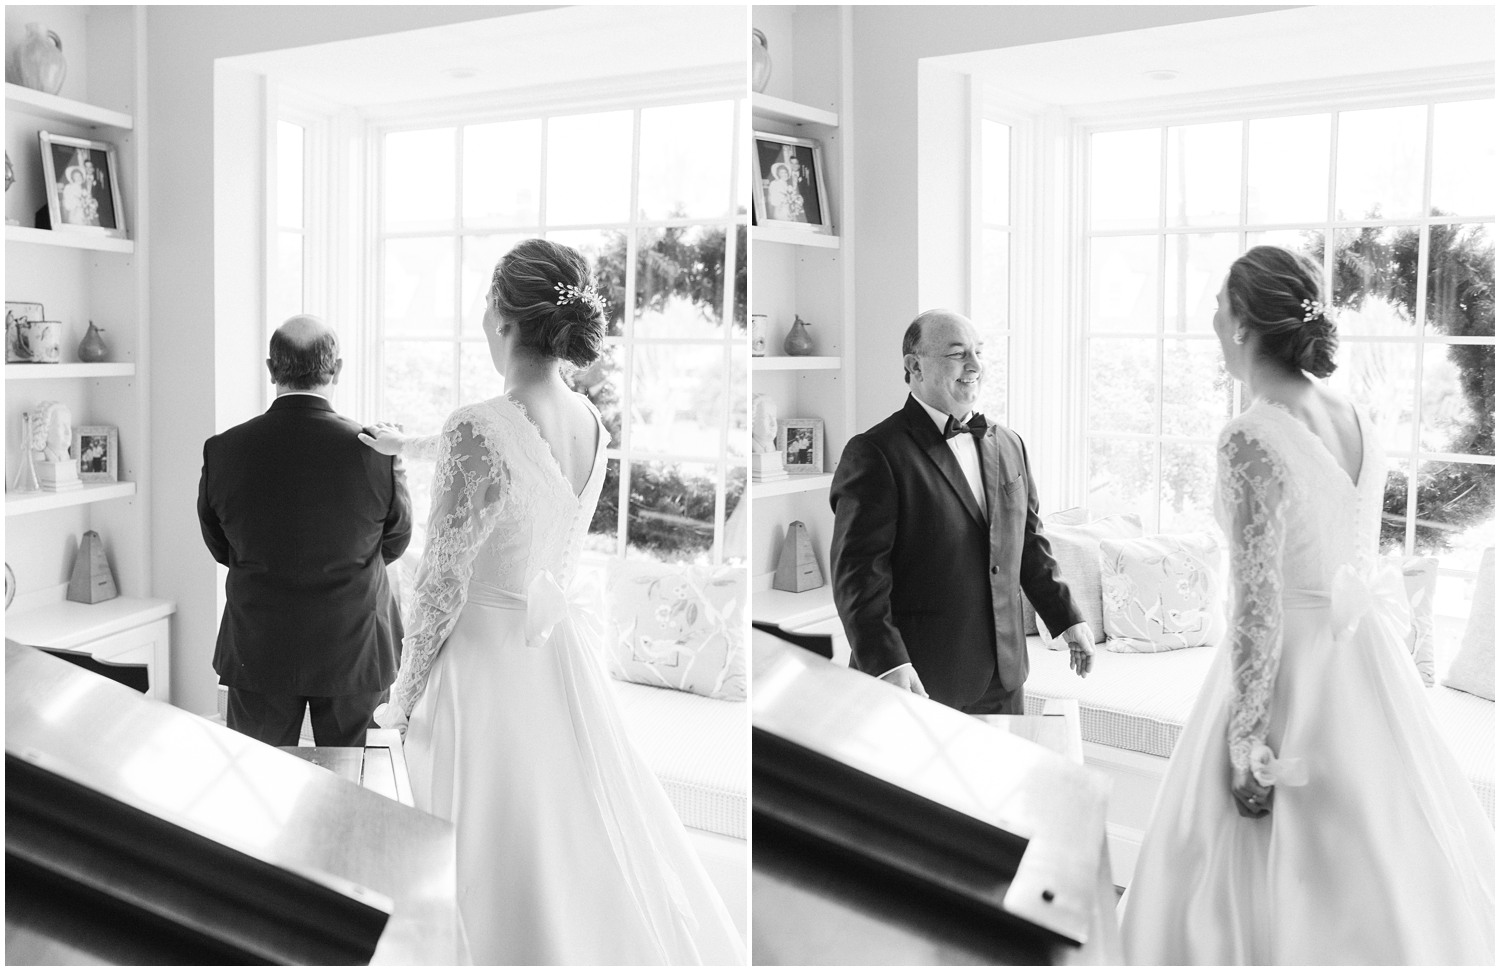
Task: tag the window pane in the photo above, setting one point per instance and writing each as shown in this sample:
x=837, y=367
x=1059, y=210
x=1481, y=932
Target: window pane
x=477, y=378
x=746, y=176
x=685, y=160
x=1463, y=159
x=418, y=386
x=679, y=282
x=678, y=397
x=1122, y=480
x=1187, y=487
x=289, y=299
x=1123, y=284
x=1381, y=377
x=419, y=287
x=739, y=398
x=588, y=168
x=1461, y=285
x=994, y=391
x=1455, y=507
x=1196, y=266
x=1393, y=510
x=1125, y=188
x=1122, y=385
x=1381, y=151
x=1308, y=242
x=1203, y=175
x=741, y=279
x=992, y=296
x=289, y=155
x=481, y=253
x=604, y=529
x=1289, y=169
x=503, y=173
x=419, y=180
x=994, y=173
x=602, y=383
x=1375, y=280
x=1458, y=399
x=1197, y=394
x=671, y=512
x=734, y=493
x=605, y=251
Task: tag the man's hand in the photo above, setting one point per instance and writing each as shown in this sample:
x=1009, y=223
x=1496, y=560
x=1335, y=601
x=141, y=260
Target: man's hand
x=906, y=677
x=1080, y=639
x=384, y=437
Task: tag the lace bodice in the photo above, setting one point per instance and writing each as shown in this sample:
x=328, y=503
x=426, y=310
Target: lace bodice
x=1292, y=516
x=502, y=512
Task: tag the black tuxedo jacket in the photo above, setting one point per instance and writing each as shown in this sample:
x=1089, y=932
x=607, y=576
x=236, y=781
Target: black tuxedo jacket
x=305, y=517
x=919, y=576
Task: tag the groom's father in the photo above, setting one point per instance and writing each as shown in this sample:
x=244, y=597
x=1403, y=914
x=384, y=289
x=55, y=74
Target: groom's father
x=936, y=534
x=306, y=518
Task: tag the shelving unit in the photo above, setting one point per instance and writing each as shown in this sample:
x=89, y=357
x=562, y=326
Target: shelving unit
x=809, y=275
x=81, y=277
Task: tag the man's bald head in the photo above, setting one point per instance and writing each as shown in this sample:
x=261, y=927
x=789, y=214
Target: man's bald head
x=304, y=354
x=911, y=341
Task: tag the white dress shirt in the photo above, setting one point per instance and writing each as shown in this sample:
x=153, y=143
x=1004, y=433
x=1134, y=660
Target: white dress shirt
x=965, y=448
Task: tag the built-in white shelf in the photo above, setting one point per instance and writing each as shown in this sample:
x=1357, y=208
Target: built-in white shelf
x=46, y=372
x=791, y=484
x=65, y=624
x=788, y=363
x=796, y=237
x=20, y=504
x=50, y=106
x=793, y=611
x=72, y=240
x=766, y=107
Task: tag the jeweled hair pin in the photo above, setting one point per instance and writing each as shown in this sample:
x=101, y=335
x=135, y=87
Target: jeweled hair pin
x=568, y=293
x=1312, y=310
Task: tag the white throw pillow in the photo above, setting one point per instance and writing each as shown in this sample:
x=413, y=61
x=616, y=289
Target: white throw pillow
x=1161, y=593
x=1076, y=549
x=1420, y=576
x=1065, y=517
x=679, y=626
x=1474, y=668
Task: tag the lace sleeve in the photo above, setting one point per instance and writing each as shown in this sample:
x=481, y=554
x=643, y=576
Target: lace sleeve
x=467, y=485
x=1252, y=491
x=426, y=448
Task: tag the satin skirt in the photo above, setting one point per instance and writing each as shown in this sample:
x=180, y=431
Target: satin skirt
x=569, y=851
x=1384, y=856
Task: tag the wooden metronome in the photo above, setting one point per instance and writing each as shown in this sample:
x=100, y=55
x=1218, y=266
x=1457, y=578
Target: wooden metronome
x=92, y=582
x=797, y=568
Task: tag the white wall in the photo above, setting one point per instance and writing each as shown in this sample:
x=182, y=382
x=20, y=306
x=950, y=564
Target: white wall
x=888, y=43
x=183, y=43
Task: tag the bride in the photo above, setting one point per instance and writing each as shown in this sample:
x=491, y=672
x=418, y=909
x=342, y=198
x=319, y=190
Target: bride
x=568, y=850
x=1311, y=813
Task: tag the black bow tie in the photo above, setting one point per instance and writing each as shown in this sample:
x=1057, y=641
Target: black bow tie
x=977, y=426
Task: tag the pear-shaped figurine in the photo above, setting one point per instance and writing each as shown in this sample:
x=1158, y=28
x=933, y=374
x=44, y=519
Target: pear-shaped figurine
x=92, y=349
x=798, y=341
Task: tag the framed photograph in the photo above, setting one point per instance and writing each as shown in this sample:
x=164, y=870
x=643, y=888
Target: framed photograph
x=98, y=451
x=800, y=442
x=83, y=185
x=790, y=190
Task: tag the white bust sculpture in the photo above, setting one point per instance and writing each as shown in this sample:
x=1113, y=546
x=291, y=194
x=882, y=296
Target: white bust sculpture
x=762, y=424
x=52, y=431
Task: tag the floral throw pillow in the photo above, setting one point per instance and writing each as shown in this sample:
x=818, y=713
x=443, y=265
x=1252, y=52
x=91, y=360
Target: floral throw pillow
x=679, y=626
x=1161, y=593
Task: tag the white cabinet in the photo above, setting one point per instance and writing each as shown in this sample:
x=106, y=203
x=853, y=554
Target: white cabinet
x=122, y=631
x=807, y=275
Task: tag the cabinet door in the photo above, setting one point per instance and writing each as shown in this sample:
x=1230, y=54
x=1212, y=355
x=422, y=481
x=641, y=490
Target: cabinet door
x=145, y=645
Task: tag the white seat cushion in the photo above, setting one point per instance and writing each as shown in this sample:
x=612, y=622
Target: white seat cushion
x=699, y=749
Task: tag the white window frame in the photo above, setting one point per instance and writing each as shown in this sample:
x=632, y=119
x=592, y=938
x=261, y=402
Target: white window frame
x=569, y=100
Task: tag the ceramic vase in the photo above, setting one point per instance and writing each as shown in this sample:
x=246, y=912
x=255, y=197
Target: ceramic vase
x=37, y=60
x=760, y=60
x=798, y=341
x=92, y=349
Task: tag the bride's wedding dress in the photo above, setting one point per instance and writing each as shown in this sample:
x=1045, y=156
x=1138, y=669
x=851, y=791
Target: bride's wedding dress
x=568, y=849
x=1384, y=854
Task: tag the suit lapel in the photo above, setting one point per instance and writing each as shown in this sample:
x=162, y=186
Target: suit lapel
x=989, y=469
x=932, y=443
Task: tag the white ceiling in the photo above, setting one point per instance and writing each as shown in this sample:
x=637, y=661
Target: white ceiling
x=529, y=50
x=1275, y=48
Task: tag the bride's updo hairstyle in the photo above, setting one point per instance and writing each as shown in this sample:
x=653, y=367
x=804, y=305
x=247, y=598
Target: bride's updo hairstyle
x=1279, y=295
x=544, y=289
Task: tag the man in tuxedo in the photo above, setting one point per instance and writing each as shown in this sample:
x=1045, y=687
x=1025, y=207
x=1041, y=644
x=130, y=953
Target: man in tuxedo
x=305, y=517
x=936, y=534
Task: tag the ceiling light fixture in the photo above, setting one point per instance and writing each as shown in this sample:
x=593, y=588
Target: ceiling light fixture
x=1165, y=74
x=461, y=73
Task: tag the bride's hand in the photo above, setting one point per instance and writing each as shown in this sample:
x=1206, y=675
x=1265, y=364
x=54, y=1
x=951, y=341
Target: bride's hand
x=384, y=437
x=1251, y=799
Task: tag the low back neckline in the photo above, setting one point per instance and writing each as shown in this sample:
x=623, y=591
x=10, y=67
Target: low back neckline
x=1354, y=480
x=546, y=447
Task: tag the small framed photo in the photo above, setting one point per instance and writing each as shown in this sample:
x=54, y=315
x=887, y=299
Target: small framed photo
x=790, y=190
x=98, y=451
x=83, y=185
x=800, y=442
